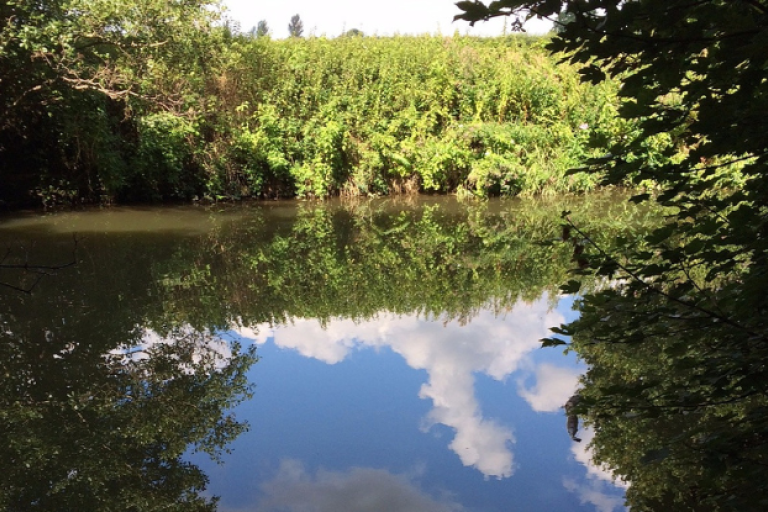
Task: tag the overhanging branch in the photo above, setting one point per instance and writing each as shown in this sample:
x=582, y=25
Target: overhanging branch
x=39, y=271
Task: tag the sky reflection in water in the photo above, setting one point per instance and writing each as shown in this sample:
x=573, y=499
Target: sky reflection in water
x=471, y=421
x=396, y=412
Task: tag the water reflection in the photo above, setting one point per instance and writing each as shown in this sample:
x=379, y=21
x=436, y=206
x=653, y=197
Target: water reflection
x=294, y=489
x=115, y=369
x=596, y=493
x=82, y=428
x=553, y=386
x=599, y=486
x=207, y=353
x=451, y=354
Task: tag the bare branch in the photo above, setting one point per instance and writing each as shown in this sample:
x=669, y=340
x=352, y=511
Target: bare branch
x=39, y=271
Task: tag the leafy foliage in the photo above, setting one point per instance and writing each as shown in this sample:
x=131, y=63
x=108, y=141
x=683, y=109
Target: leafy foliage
x=677, y=349
x=363, y=116
x=72, y=71
x=195, y=110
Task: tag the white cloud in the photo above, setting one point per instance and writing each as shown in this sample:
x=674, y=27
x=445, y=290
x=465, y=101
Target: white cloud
x=554, y=386
x=583, y=454
x=330, y=345
x=449, y=352
x=595, y=493
x=359, y=489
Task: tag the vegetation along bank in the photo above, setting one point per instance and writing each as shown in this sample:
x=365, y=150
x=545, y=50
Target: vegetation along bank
x=188, y=109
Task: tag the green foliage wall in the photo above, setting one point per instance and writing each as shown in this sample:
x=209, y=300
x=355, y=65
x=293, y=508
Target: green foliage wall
x=359, y=116
x=215, y=115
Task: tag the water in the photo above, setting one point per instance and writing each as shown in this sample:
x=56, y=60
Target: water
x=398, y=366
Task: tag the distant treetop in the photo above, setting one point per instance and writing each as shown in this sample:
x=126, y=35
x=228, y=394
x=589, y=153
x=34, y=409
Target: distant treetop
x=262, y=29
x=296, y=26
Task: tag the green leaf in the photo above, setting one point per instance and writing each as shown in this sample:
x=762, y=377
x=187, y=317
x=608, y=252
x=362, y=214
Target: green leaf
x=654, y=456
x=571, y=287
x=552, y=342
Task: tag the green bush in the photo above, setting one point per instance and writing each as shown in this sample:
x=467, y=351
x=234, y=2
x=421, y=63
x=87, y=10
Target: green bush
x=319, y=117
x=364, y=115
x=163, y=156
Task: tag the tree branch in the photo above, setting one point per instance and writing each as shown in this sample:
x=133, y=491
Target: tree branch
x=726, y=320
x=40, y=271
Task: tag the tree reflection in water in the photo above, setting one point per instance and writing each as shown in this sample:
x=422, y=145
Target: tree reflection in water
x=677, y=401
x=111, y=372
x=87, y=428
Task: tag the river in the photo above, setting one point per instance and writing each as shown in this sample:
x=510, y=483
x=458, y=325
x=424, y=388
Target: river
x=376, y=355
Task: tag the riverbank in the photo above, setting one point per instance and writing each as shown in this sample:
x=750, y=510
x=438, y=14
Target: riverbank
x=316, y=118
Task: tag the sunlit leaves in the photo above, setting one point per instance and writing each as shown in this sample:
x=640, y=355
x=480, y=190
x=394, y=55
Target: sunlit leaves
x=481, y=117
x=72, y=75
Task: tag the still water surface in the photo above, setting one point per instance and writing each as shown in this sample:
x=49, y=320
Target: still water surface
x=399, y=365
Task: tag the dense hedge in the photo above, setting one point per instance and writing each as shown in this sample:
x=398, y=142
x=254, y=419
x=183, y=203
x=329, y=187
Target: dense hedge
x=359, y=115
x=245, y=117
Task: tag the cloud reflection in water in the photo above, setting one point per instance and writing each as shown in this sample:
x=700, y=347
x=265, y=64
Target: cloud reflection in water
x=294, y=489
x=554, y=385
x=450, y=353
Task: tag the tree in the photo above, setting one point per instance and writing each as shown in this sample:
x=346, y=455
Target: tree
x=693, y=82
x=72, y=72
x=562, y=20
x=296, y=26
x=353, y=32
x=80, y=45
x=262, y=29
